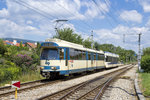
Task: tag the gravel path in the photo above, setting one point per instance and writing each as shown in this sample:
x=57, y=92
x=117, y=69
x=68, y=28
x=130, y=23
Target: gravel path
x=122, y=88
x=38, y=92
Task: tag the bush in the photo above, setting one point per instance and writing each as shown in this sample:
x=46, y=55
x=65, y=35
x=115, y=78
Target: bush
x=2, y=61
x=145, y=63
x=9, y=71
x=2, y=47
x=23, y=61
x=36, y=58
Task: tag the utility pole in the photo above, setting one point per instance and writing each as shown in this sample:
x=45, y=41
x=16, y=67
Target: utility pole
x=92, y=39
x=139, y=51
x=139, y=56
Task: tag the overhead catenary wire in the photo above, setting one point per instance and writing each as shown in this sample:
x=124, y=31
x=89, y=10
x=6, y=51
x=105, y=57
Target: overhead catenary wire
x=73, y=15
x=49, y=17
x=83, y=29
x=40, y=12
x=102, y=11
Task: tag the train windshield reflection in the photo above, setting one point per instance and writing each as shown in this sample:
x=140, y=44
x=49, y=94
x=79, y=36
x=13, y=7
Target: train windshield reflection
x=49, y=54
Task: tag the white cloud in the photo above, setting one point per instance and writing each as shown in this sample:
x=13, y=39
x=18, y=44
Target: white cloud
x=131, y=15
x=145, y=4
x=19, y=21
x=3, y=13
x=96, y=10
x=148, y=22
x=29, y=22
x=106, y=34
x=11, y=29
x=115, y=36
x=69, y=26
x=120, y=29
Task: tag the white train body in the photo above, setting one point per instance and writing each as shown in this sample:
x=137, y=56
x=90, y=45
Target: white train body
x=111, y=60
x=59, y=57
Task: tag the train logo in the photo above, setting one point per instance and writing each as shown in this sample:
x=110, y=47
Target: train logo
x=47, y=63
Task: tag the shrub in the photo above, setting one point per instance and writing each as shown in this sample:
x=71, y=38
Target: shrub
x=2, y=74
x=2, y=61
x=9, y=71
x=145, y=63
x=2, y=47
x=23, y=61
x=36, y=58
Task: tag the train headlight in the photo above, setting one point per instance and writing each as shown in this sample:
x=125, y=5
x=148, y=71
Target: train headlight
x=41, y=68
x=53, y=68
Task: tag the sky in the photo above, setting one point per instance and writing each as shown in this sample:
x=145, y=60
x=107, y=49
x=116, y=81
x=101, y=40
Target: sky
x=108, y=19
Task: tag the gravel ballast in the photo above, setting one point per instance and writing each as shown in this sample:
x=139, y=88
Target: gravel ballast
x=42, y=91
x=122, y=88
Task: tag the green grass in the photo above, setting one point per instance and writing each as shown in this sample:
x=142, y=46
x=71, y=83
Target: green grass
x=25, y=78
x=145, y=82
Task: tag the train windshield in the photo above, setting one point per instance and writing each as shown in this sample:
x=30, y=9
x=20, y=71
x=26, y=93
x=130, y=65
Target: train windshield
x=49, y=54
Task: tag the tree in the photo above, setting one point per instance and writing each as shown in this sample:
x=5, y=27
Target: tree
x=3, y=48
x=97, y=46
x=21, y=44
x=146, y=51
x=87, y=43
x=68, y=35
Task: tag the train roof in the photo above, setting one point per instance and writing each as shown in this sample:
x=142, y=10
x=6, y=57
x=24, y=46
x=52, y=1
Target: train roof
x=63, y=43
x=111, y=54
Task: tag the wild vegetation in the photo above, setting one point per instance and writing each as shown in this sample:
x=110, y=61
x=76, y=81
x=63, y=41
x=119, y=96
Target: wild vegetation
x=69, y=35
x=145, y=61
x=145, y=76
x=17, y=61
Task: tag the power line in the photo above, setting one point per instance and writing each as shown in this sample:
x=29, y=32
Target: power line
x=72, y=14
x=116, y=12
x=83, y=29
x=34, y=9
x=102, y=11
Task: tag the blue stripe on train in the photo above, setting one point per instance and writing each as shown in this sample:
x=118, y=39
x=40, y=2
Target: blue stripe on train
x=66, y=72
x=112, y=63
x=49, y=67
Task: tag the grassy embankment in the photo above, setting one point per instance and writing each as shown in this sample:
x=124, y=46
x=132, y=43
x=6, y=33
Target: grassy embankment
x=25, y=78
x=145, y=84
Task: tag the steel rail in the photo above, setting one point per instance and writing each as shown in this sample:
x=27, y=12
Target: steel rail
x=30, y=87
x=63, y=94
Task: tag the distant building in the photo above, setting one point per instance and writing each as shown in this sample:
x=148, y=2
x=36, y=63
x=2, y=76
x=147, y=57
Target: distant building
x=13, y=43
x=31, y=45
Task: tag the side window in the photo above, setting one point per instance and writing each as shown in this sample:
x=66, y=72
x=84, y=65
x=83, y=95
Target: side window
x=72, y=54
x=109, y=59
x=102, y=57
x=89, y=56
x=94, y=56
x=83, y=55
x=61, y=53
x=99, y=57
x=76, y=55
x=80, y=55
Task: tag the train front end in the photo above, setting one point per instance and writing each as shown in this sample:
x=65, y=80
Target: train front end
x=52, y=60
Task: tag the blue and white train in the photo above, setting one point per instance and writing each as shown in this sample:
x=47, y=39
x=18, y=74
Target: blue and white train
x=59, y=57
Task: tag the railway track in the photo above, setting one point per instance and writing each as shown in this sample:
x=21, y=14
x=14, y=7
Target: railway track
x=89, y=90
x=4, y=91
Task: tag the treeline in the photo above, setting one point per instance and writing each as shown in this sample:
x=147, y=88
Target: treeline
x=69, y=35
x=145, y=61
x=16, y=61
